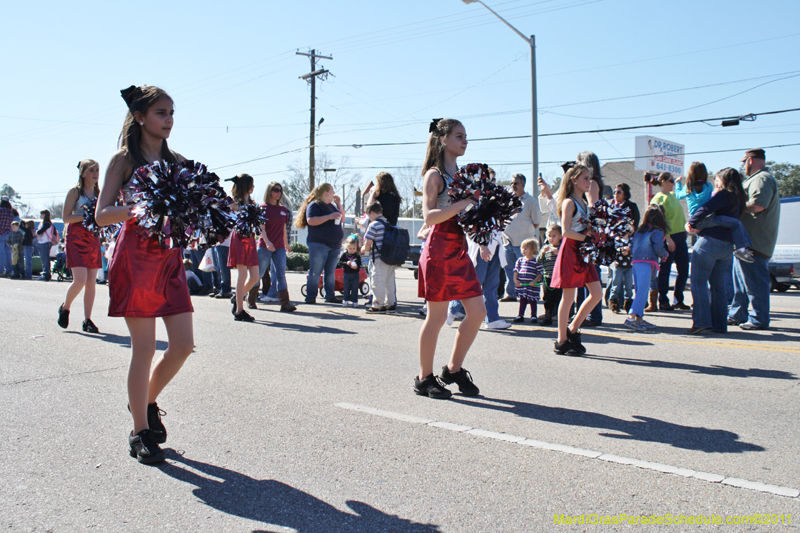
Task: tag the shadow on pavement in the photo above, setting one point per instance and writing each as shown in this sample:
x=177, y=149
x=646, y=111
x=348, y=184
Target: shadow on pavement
x=643, y=428
x=278, y=504
x=124, y=341
x=303, y=328
x=713, y=370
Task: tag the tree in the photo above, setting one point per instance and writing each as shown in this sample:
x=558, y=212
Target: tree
x=55, y=207
x=344, y=182
x=787, y=176
x=15, y=199
x=408, y=179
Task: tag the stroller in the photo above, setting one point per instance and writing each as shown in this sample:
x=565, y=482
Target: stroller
x=60, y=269
x=363, y=287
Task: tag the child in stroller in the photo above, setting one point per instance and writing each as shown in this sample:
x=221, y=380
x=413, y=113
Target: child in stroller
x=60, y=269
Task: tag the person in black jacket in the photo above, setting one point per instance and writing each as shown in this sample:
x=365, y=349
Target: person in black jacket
x=385, y=193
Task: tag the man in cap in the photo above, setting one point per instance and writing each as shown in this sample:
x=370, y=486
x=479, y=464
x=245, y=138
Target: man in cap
x=760, y=220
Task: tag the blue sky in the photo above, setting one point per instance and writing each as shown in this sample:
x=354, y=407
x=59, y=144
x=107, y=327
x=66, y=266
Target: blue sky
x=233, y=73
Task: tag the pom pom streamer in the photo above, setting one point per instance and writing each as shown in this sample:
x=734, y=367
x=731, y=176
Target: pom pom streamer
x=249, y=219
x=181, y=204
x=106, y=232
x=611, y=227
x=496, y=205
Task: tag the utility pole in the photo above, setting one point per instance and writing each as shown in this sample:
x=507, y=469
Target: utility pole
x=311, y=78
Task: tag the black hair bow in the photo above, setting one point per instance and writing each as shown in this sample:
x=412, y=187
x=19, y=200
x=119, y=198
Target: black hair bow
x=434, y=125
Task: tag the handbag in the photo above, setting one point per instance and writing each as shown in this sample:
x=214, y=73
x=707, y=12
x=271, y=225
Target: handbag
x=54, y=237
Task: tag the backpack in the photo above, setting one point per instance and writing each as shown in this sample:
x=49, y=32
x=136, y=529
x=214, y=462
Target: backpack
x=54, y=238
x=395, y=246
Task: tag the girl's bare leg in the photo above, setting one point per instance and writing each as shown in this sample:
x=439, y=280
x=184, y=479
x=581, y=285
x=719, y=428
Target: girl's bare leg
x=79, y=277
x=475, y=313
x=88, y=291
x=180, y=335
x=143, y=348
x=429, y=335
x=241, y=281
x=567, y=299
x=595, y=295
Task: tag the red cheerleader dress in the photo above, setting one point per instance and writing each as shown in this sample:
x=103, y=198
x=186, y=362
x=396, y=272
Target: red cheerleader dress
x=243, y=251
x=445, y=270
x=144, y=279
x=570, y=270
x=83, y=247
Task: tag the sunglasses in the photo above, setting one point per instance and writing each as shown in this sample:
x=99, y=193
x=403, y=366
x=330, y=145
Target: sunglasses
x=277, y=189
x=619, y=192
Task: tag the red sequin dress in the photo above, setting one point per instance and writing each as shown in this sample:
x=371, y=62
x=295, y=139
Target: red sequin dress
x=144, y=279
x=81, y=245
x=570, y=270
x=445, y=270
x=243, y=251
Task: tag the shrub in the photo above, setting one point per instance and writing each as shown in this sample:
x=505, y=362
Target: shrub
x=298, y=247
x=295, y=260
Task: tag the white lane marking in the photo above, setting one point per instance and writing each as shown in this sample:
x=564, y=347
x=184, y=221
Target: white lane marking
x=647, y=465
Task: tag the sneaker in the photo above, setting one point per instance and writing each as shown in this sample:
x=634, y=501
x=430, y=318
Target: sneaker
x=518, y=319
x=345, y=304
x=508, y=299
x=334, y=301
x=589, y=323
x=498, y=324
x=561, y=348
x=353, y=304
x=697, y=329
x=391, y=308
x=154, y=415
x=680, y=306
x=268, y=299
x=743, y=254
x=431, y=387
x=534, y=320
x=451, y=317
x=632, y=323
x=575, y=340
x=665, y=307
x=732, y=322
x=423, y=311
x=647, y=325
x=223, y=295
x=213, y=294
x=89, y=327
x=144, y=447
x=375, y=310
x=251, y=306
x=63, y=316
x=750, y=326
x=243, y=316
x=462, y=378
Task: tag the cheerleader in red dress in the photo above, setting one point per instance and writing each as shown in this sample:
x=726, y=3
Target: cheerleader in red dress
x=243, y=254
x=571, y=271
x=145, y=280
x=445, y=270
x=83, y=247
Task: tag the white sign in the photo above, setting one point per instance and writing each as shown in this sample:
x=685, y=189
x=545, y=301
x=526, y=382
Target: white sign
x=657, y=155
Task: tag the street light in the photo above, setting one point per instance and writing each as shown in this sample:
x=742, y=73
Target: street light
x=535, y=128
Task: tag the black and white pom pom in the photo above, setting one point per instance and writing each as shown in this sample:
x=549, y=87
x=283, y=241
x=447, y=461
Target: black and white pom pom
x=88, y=217
x=181, y=204
x=611, y=227
x=249, y=219
x=496, y=205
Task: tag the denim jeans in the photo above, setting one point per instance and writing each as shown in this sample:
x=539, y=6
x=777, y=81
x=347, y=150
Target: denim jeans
x=739, y=234
x=621, y=283
x=221, y=264
x=681, y=259
x=5, y=257
x=322, y=261
x=351, y=287
x=512, y=254
x=711, y=260
x=273, y=282
x=276, y=258
x=28, y=255
x=641, y=275
x=205, y=277
x=44, y=255
x=489, y=277
x=751, y=286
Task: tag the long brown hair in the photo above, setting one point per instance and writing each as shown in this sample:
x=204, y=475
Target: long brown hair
x=567, y=185
x=45, y=215
x=83, y=166
x=384, y=182
x=314, y=196
x=140, y=99
x=242, y=183
x=654, y=218
x=732, y=182
x=434, y=155
x=696, y=177
x=268, y=193
x=590, y=159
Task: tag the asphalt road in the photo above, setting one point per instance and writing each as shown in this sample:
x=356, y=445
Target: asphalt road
x=307, y=422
